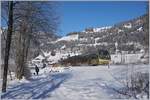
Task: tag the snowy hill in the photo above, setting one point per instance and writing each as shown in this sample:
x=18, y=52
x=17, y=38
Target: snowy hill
x=129, y=35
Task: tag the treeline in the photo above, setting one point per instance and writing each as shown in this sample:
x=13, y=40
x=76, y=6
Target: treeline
x=26, y=22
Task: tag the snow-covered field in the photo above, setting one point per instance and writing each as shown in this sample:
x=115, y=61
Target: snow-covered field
x=73, y=83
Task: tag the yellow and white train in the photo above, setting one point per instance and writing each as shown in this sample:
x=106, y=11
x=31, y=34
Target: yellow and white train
x=102, y=57
x=99, y=57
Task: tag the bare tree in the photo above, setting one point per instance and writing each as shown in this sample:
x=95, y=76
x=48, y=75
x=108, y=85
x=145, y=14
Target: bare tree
x=34, y=19
x=30, y=19
x=8, y=43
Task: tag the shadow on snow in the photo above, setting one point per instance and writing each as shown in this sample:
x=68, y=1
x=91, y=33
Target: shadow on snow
x=37, y=88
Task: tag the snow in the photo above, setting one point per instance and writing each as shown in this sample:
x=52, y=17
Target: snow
x=95, y=44
x=83, y=39
x=129, y=25
x=37, y=61
x=63, y=47
x=96, y=39
x=46, y=53
x=101, y=43
x=69, y=38
x=53, y=59
x=119, y=30
x=142, y=50
x=101, y=29
x=73, y=83
x=23, y=80
x=140, y=29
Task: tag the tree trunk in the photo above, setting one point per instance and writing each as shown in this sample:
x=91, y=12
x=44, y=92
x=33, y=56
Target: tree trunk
x=20, y=55
x=23, y=46
x=7, y=48
x=27, y=47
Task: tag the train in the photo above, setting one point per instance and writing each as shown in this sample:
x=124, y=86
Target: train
x=99, y=57
x=102, y=57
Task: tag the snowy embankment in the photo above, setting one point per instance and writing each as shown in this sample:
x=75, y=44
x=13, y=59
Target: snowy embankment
x=74, y=83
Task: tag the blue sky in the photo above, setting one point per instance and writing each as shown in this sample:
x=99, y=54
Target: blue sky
x=78, y=15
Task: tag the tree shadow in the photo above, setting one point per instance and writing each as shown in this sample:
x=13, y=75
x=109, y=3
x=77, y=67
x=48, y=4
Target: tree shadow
x=37, y=88
x=109, y=87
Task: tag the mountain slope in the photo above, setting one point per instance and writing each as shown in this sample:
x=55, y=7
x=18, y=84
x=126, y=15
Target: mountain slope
x=129, y=35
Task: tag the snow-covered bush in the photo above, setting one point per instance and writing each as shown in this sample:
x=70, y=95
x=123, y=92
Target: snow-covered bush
x=140, y=84
x=137, y=86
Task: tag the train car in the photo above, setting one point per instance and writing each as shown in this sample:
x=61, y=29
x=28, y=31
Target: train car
x=102, y=57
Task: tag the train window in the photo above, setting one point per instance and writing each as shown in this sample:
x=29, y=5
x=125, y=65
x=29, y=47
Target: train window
x=93, y=56
x=104, y=54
